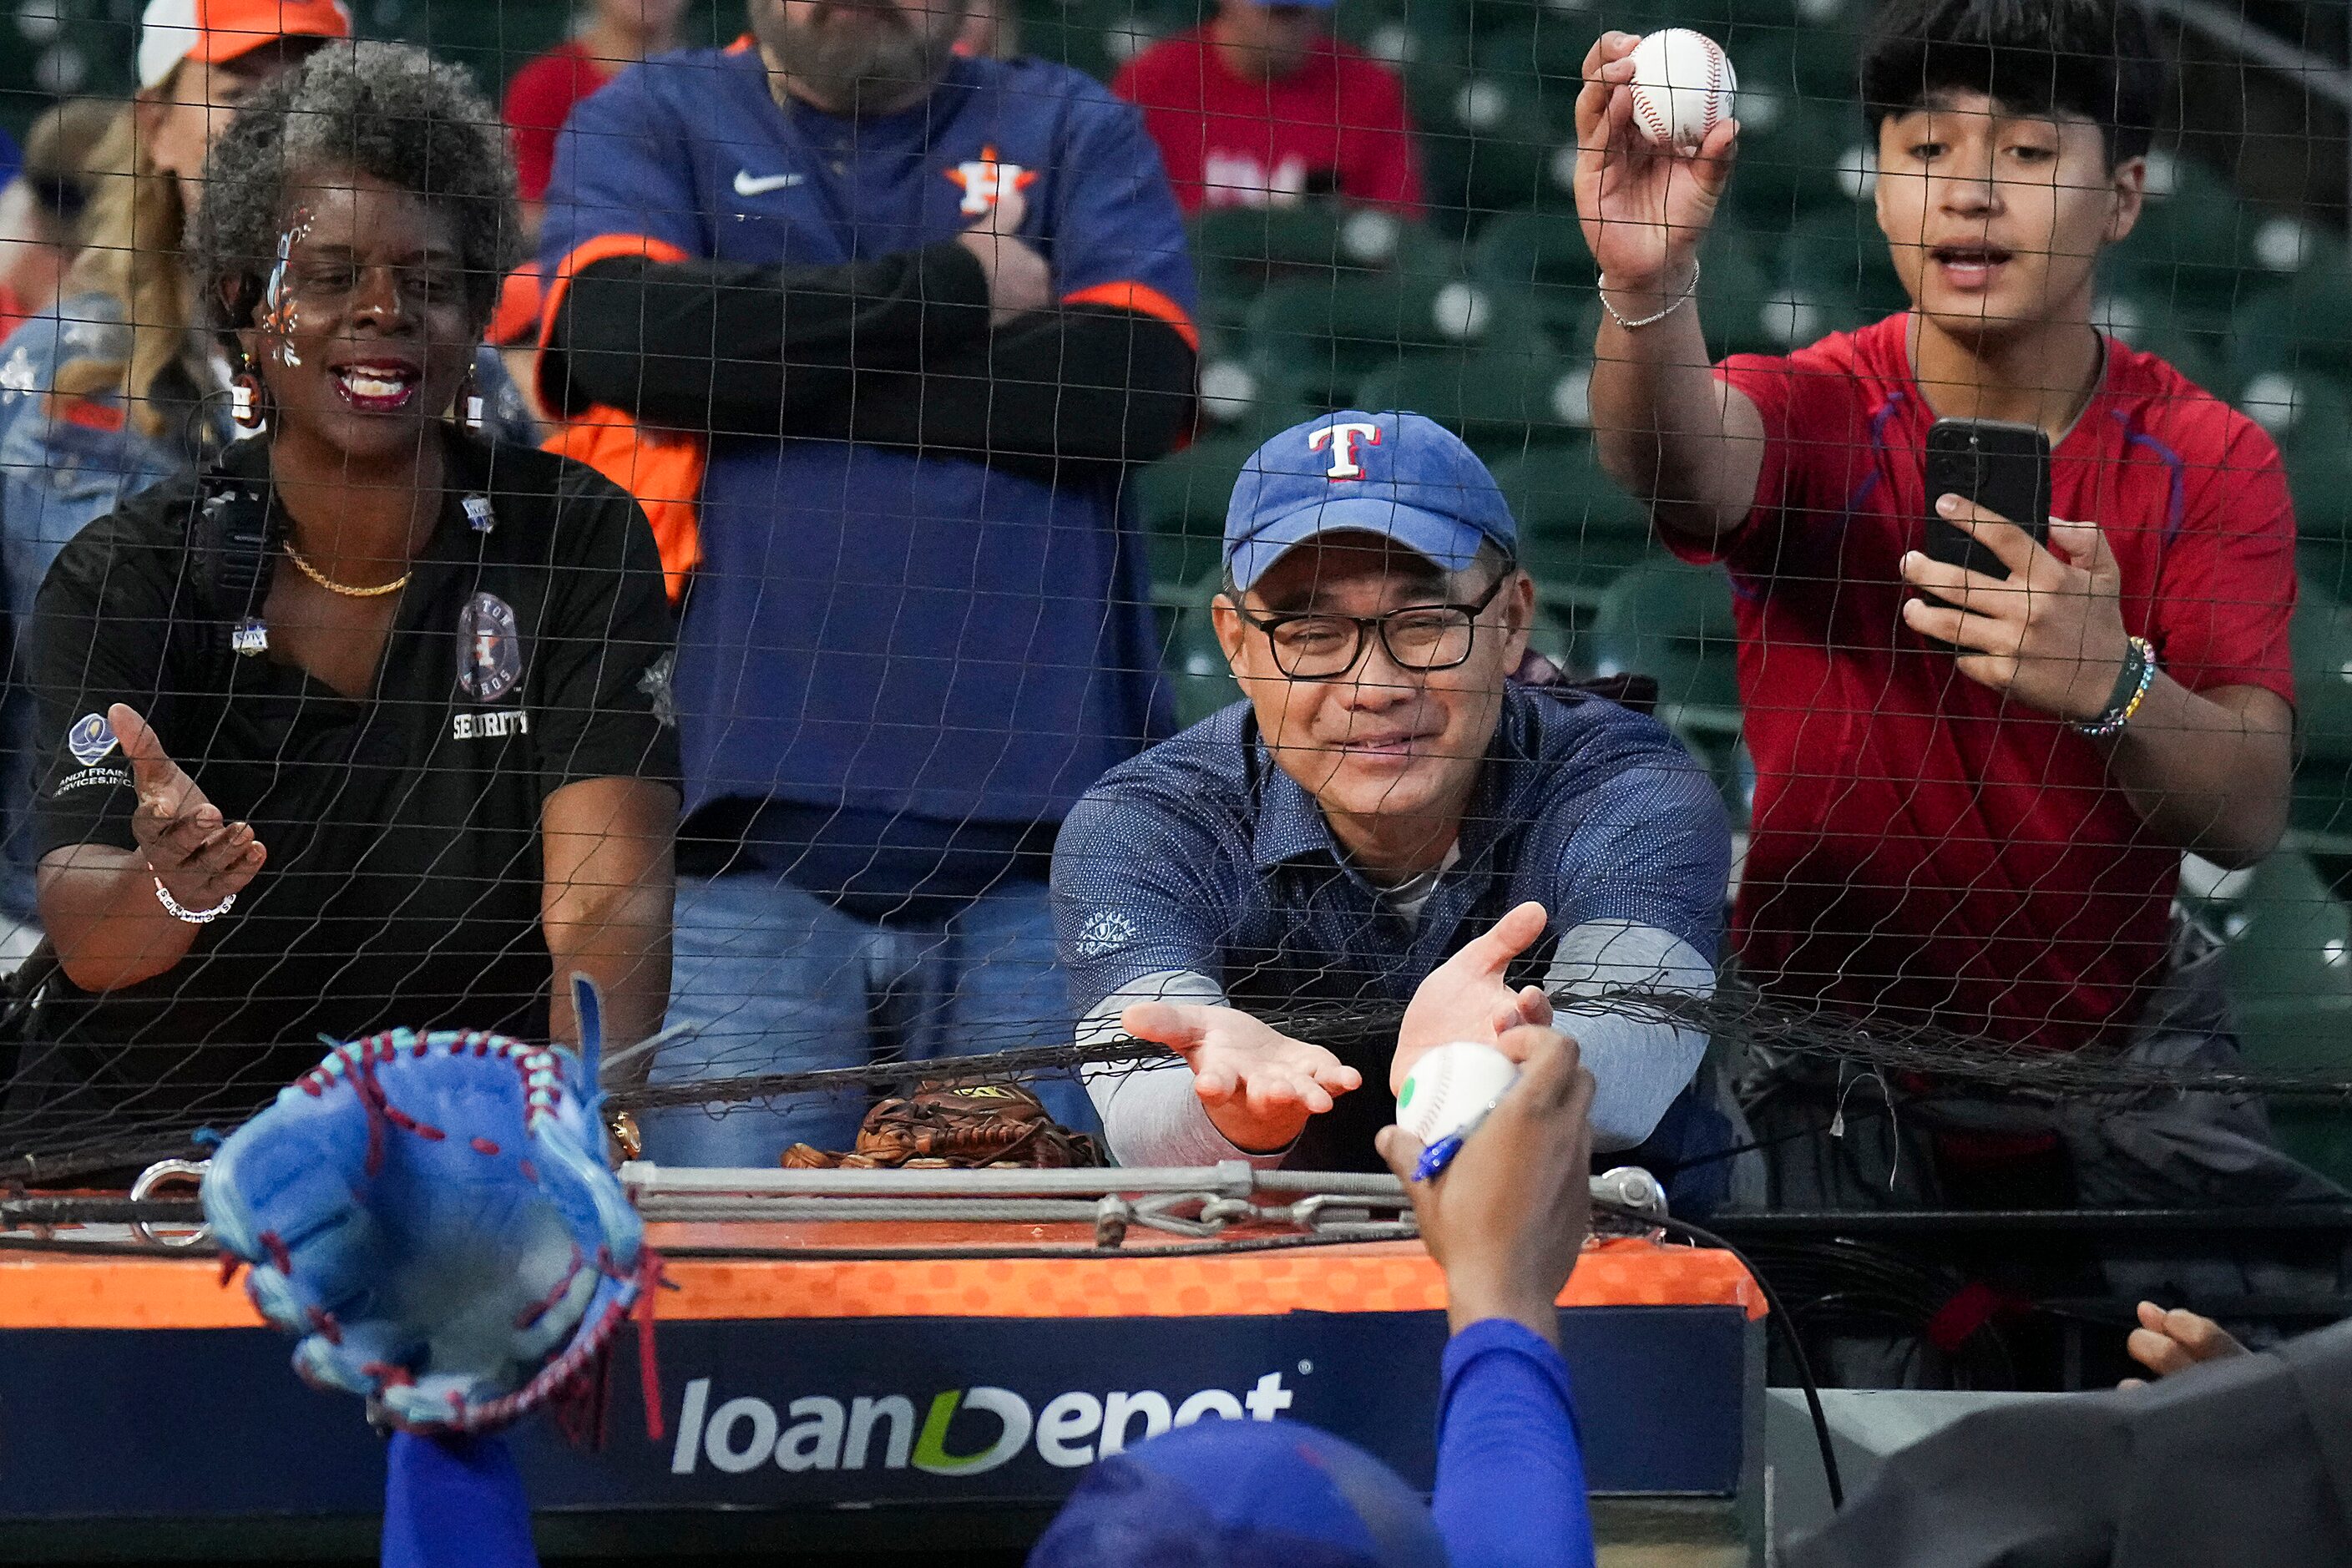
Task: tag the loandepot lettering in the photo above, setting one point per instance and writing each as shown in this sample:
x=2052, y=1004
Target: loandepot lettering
x=818, y=1433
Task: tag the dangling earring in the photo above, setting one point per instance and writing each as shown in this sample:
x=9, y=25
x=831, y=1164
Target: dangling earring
x=469, y=400
x=245, y=397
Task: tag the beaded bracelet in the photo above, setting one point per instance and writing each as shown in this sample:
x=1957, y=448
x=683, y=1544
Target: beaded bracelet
x=180, y=912
x=1685, y=298
x=2132, y=683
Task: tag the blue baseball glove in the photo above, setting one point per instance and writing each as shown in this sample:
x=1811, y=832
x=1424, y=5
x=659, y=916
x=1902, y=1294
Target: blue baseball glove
x=432, y=1215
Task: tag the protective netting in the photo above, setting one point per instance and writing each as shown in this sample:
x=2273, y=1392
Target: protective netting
x=945, y=535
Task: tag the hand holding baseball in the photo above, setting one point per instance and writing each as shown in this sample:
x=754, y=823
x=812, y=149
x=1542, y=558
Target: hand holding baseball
x=199, y=855
x=1508, y=1217
x=1653, y=156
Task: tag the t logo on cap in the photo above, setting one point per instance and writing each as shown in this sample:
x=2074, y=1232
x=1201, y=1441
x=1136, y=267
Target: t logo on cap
x=1342, y=439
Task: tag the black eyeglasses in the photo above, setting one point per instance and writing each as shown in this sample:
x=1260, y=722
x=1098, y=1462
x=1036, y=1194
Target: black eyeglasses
x=1418, y=638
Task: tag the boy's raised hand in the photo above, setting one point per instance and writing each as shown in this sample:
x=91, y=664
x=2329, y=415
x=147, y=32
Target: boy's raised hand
x=1644, y=207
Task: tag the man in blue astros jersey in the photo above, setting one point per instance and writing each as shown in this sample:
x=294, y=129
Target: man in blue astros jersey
x=873, y=331
x=1387, y=817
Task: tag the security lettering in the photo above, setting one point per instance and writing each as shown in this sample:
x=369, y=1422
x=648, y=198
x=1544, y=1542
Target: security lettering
x=496, y=724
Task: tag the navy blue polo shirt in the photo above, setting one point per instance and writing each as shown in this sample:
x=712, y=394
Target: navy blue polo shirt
x=895, y=631
x=1202, y=855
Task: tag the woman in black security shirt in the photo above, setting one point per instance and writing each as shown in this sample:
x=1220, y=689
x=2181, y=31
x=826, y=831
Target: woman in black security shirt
x=449, y=775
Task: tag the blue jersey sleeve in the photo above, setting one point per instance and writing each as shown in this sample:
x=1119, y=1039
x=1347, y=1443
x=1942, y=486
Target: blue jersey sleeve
x=1116, y=234
x=624, y=171
x=1137, y=892
x=454, y=1502
x=1511, y=1464
x=1645, y=840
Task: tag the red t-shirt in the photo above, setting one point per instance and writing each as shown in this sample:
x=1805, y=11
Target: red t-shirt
x=1340, y=122
x=1920, y=845
x=538, y=98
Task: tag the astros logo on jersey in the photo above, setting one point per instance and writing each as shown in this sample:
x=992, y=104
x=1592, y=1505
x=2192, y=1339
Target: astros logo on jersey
x=985, y=180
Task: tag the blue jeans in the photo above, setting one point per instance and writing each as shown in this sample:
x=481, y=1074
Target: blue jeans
x=773, y=979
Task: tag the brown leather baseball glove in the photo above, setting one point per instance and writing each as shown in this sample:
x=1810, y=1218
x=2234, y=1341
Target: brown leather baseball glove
x=962, y=1126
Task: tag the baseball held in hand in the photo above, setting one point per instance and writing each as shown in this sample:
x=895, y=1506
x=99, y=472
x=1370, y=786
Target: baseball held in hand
x=1683, y=87
x=1452, y=1088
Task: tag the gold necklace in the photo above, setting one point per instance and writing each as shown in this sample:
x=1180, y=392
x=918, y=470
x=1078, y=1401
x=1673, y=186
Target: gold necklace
x=346, y=589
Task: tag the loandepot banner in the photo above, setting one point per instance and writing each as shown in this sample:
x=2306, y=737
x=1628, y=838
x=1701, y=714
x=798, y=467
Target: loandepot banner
x=793, y=1413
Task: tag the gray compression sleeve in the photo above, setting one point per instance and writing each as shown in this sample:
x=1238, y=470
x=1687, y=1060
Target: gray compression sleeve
x=1638, y=1064
x=1151, y=1115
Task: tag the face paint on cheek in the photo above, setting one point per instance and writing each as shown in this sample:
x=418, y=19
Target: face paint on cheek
x=280, y=317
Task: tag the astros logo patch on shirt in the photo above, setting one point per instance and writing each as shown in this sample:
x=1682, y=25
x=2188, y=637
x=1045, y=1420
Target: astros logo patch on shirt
x=489, y=648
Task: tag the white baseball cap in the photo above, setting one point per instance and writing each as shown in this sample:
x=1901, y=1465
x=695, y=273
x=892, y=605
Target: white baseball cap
x=216, y=31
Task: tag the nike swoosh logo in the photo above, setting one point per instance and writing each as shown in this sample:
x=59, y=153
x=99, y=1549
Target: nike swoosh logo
x=747, y=183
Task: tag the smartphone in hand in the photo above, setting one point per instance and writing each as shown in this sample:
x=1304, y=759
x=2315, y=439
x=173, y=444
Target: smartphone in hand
x=2000, y=466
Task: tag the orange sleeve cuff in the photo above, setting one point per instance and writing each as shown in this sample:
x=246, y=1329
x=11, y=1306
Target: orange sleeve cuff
x=1144, y=300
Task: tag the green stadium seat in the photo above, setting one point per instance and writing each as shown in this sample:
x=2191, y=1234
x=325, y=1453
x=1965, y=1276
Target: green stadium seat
x=2319, y=478
x=1674, y=622
x=1330, y=335
x=1097, y=36
x=1578, y=531
x=2289, y=958
x=1411, y=35
x=1503, y=401
x=2191, y=246
x=1180, y=502
x=1789, y=145
x=1743, y=306
x=1487, y=149
x=2322, y=641
x=1193, y=662
x=2304, y=329
x=1239, y=397
x=2297, y=410
x=1544, y=254
x=1837, y=262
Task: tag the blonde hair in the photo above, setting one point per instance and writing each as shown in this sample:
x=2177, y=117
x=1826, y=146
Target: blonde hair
x=130, y=239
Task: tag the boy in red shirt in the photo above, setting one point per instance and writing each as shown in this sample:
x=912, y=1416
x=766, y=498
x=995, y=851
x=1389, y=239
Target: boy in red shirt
x=1261, y=106
x=1987, y=838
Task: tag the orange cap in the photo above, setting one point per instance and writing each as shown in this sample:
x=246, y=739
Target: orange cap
x=216, y=31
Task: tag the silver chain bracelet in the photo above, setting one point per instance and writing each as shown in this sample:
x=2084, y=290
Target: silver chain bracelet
x=180, y=912
x=1685, y=298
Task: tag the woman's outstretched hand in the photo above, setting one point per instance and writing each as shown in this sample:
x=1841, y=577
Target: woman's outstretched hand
x=196, y=852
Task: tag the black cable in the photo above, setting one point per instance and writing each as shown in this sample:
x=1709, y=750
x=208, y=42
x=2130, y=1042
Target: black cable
x=1777, y=1313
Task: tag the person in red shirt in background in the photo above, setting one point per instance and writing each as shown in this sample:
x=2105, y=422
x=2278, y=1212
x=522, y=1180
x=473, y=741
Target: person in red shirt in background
x=1988, y=840
x=1261, y=106
x=619, y=33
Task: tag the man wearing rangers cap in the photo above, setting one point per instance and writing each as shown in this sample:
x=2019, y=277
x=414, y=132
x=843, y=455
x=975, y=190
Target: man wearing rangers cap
x=1384, y=809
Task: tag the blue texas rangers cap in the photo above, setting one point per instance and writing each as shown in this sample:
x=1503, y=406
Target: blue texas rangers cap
x=1403, y=476
x=1242, y=1494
